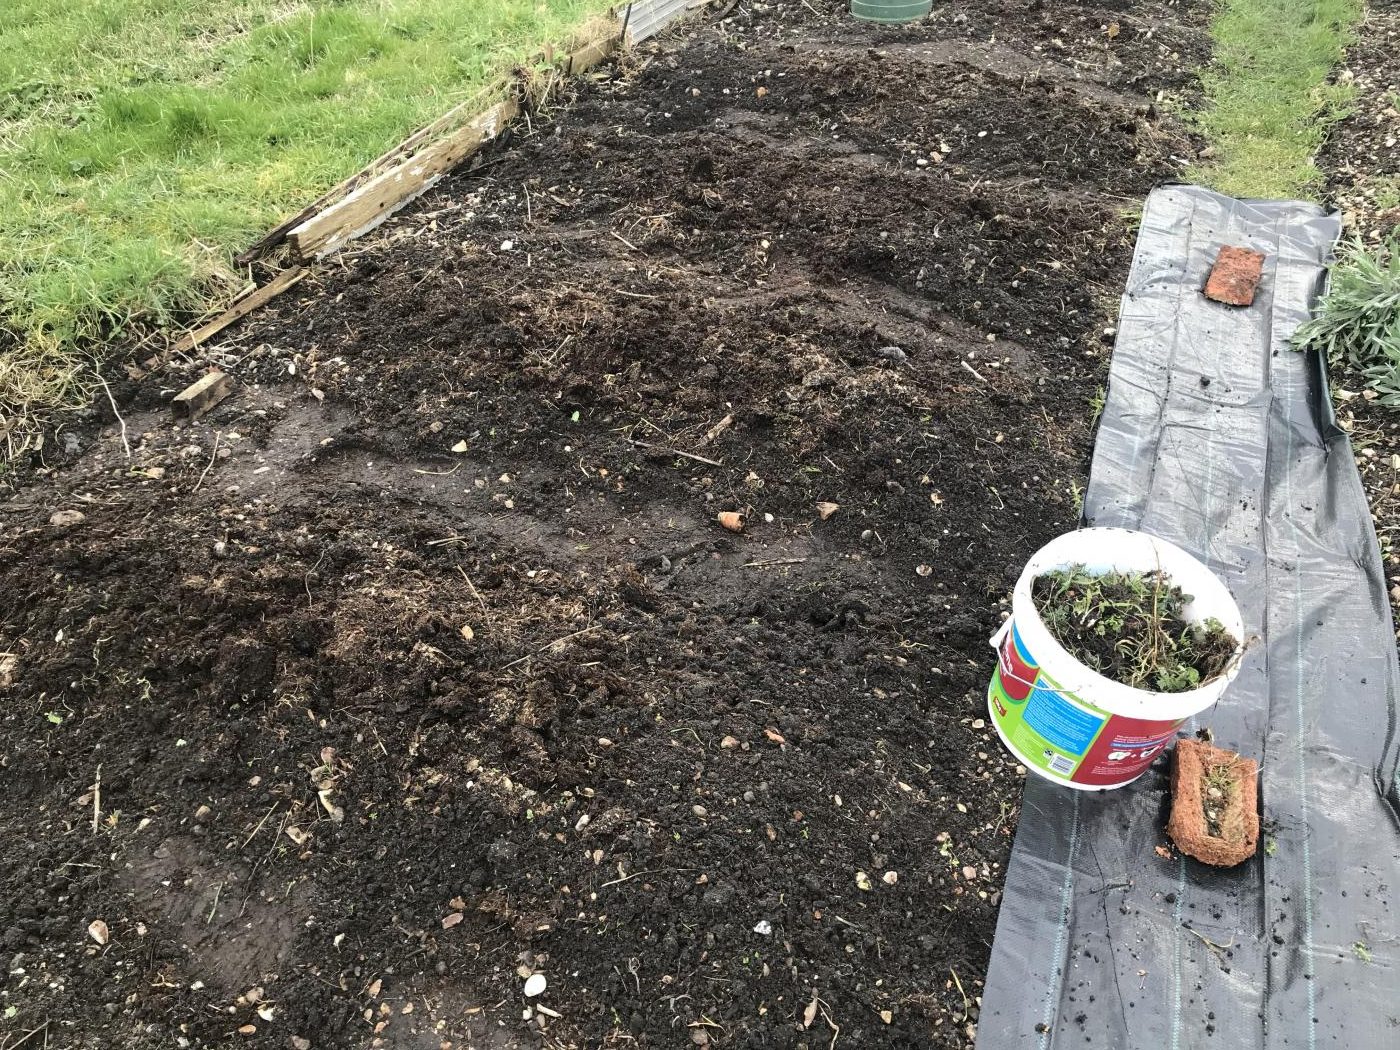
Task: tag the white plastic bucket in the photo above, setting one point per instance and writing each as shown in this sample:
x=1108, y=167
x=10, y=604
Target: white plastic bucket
x=1069, y=723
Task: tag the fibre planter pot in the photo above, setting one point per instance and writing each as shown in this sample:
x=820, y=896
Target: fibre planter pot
x=1065, y=721
x=890, y=10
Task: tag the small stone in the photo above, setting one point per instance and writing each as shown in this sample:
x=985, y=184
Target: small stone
x=979, y=723
x=64, y=518
x=749, y=796
x=507, y=246
x=863, y=881
x=298, y=1043
x=969, y=872
x=699, y=811
x=889, y=878
x=887, y=1016
x=535, y=985
x=764, y=927
x=220, y=549
x=729, y=742
x=582, y=822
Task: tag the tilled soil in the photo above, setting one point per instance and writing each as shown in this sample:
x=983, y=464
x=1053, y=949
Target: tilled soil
x=422, y=664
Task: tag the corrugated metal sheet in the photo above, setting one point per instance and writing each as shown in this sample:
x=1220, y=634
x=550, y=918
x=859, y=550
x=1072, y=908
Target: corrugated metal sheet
x=649, y=17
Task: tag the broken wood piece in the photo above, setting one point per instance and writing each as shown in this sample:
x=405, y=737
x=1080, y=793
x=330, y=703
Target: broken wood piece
x=199, y=397
x=373, y=202
x=341, y=190
x=1235, y=276
x=676, y=452
x=242, y=308
x=716, y=430
x=1215, y=804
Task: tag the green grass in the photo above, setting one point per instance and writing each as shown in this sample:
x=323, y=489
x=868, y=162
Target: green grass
x=1268, y=100
x=143, y=143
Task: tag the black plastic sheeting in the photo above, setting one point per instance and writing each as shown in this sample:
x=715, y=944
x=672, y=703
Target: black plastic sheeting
x=1219, y=437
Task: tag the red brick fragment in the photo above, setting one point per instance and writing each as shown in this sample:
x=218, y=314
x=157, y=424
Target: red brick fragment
x=1238, y=810
x=1235, y=276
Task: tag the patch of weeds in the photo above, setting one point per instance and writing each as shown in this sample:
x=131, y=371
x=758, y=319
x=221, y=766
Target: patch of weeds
x=1385, y=191
x=1132, y=627
x=1096, y=404
x=1357, y=323
x=1270, y=847
x=1362, y=950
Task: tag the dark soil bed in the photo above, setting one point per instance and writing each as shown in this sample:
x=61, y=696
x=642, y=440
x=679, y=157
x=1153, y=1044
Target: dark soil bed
x=724, y=789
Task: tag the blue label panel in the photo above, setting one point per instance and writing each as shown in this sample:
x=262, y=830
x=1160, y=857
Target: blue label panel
x=1067, y=727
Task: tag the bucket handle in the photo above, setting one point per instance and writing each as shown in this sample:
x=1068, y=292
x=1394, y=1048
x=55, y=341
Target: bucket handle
x=1000, y=636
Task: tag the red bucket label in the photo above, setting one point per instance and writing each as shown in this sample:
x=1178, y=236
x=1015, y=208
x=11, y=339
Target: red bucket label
x=1059, y=733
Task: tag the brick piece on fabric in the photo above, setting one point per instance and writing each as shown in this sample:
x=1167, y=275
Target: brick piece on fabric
x=1235, y=276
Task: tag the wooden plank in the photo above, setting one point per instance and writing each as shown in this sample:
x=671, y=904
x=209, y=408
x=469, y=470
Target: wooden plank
x=377, y=199
x=202, y=395
x=241, y=308
x=343, y=189
x=607, y=44
x=585, y=58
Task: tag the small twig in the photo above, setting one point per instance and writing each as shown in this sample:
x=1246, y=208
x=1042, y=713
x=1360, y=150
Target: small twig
x=1217, y=948
x=475, y=593
x=676, y=452
x=254, y=835
x=438, y=473
x=649, y=871
x=835, y=1028
x=217, y=890
x=529, y=208
x=26, y=1037
x=773, y=561
x=449, y=539
x=97, y=799
x=972, y=370
x=550, y=645
x=625, y=241
x=113, y=402
x=212, y=456
x=716, y=430
x=966, y=1004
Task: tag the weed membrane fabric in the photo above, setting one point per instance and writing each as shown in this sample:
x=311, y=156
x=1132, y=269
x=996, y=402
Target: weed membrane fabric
x=1216, y=435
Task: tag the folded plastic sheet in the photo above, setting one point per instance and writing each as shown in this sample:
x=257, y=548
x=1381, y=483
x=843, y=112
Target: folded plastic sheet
x=1218, y=436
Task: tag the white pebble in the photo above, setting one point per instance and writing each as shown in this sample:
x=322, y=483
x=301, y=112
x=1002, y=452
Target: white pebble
x=535, y=985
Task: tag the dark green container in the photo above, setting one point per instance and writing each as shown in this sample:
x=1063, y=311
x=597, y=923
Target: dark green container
x=890, y=10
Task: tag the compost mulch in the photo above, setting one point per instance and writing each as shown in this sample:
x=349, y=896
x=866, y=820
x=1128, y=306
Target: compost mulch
x=421, y=663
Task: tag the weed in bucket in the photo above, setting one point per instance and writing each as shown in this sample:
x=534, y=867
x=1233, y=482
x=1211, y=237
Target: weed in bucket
x=1131, y=627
